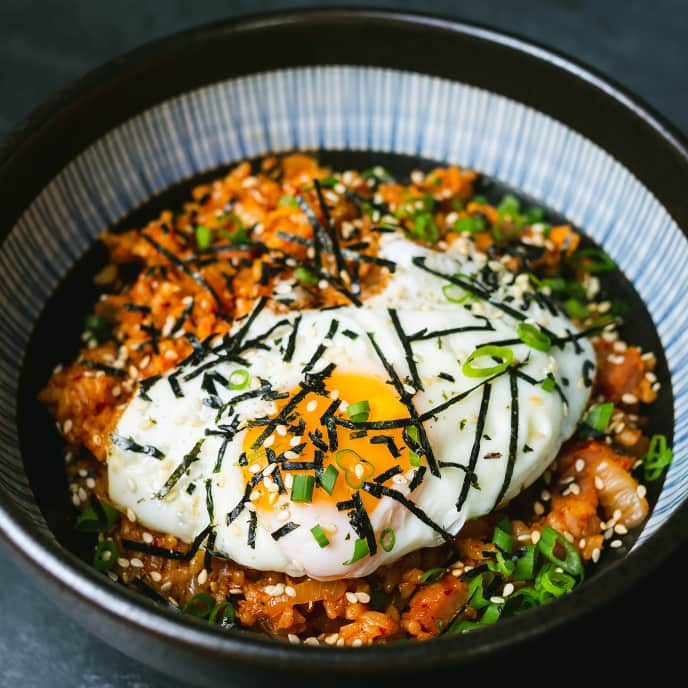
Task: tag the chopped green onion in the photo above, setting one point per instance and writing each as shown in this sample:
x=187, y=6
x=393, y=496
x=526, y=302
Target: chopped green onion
x=491, y=614
x=534, y=337
x=328, y=182
x=359, y=411
x=501, y=565
x=549, y=384
x=476, y=590
x=508, y=212
x=472, y=224
x=349, y=461
x=480, y=200
x=288, y=201
x=239, y=379
x=501, y=352
x=388, y=539
x=464, y=626
x=598, y=416
x=302, y=488
x=530, y=598
x=533, y=215
x=658, y=457
x=98, y=327
x=239, y=236
x=305, y=276
x=204, y=237
x=592, y=260
x=105, y=555
x=554, y=581
x=432, y=575
x=319, y=535
x=525, y=565
x=550, y=539
x=200, y=605
x=89, y=521
x=457, y=204
x=576, y=309
x=414, y=459
x=223, y=614
x=503, y=540
x=328, y=479
x=360, y=550
x=425, y=228
x=454, y=293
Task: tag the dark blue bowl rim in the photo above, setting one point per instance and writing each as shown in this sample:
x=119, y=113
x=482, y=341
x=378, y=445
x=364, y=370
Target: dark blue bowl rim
x=77, y=587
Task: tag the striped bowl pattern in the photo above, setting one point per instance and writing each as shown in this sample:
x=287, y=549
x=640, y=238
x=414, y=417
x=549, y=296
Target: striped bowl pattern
x=342, y=107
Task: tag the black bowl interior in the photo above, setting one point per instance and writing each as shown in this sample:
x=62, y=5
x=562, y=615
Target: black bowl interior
x=55, y=340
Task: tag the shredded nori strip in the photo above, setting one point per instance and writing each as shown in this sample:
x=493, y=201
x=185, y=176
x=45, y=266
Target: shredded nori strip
x=350, y=334
x=388, y=441
x=588, y=368
x=332, y=330
x=103, y=367
x=291, y=342
x=196, y=276
x=183, y=316
x=180, y=470
x=513, y=437
x=165, y=553
x=417, y=478
x=383, y=491
x=334, y=239
x=360, y=522
x=389, y=473
x=252, y=524
x=284, y=530
x=447, y=377
x=128, y=444
x=475, y=450
x=176, y=387
x=209, y=547
x=136, y=308
x=408, y=351
x=146, y=384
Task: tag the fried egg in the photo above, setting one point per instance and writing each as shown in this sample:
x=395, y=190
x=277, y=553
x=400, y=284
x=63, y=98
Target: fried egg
x=330, y=442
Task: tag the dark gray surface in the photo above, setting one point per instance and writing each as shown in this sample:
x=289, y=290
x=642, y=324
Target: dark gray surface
x=43, y=45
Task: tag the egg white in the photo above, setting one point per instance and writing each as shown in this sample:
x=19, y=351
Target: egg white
x=174, y=425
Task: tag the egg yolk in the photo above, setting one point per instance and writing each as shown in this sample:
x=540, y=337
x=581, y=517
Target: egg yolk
x=356, y=459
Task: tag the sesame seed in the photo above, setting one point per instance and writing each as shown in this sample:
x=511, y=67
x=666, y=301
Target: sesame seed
x=290, y=455
x=410, y=389
x=295, y=440
x=615, y=544
x=330, y=528
x=322, y=284
x=281, y=430
x=67, y=426
x=289, y=480
x=580, y=465
x=123, y=563
x=351, y=597
x=617, y=514
x=155, y=576
x=290, y=591
x=270, y=468
x=293, y=639
x=82, y=494
x=508, y=589
x=331, y=639
x=538, y=508
x=357, y=643
x=641, y=491
x=620, y=529
x=574, y=488
x=203, y=577
x=629, y=399
x=568, y=536
x=269, y=441
x=311, y=641
x=496, y=599
x=106, y=555
x=136, y=563
x=311, y=406
x=581, y=543
x=596, y=555
x=399, y=480
x=340, y=642
x=147, y=538
x=334, y=394
x=254, y=468
x=545, y=495
x=535, y=537
x=131, y=515
x=165, y=586
x=90, y=483
x=112, y=576
x=75, y=500
x=363, y=597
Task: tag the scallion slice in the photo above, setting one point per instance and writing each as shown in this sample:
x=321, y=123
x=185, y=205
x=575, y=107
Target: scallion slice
x=204, y=237
x=238, y=379
x=550, y=540
x=503, y=540
x=388, y=539
x=105, y=555
x=305, y=276
x=200, y=605
x=360, y=550
x=328, y=479
x=592, y=260
x=534, y=337
x=359, y=411
x=89, y=521
x=302, y=488
x=503, y=353
x=319, y=535
x=525, y=565
x=576, y=309
x=349, y=461
x=470, y=224
x=477, y=588
x=549, y=384
x=554, y=581
x=598, y=416
x=432, y=576
x=287, y=201
x=658, y=457
x=223, y=614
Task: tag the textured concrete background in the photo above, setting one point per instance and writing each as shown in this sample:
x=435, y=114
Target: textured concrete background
x=44, y=44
